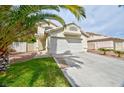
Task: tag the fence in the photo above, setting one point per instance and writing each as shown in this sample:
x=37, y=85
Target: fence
x=24, y=47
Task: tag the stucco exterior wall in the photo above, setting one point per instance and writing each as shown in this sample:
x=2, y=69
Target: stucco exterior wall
x=24, y=47
x=84, y=42
x=31, y=47
x=41, y=28
x=62, y=42
x=91, y=45
x=19, y=46
x=61, y=32
x=67, y=29
x=41, y=43
x=101, y=44
x=119, y=46
x=104, y=44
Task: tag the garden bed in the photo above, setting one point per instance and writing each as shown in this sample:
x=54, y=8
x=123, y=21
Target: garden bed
x=17, y=57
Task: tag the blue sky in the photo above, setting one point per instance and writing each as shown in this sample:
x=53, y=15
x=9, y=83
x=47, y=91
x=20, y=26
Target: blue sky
x=107, y=20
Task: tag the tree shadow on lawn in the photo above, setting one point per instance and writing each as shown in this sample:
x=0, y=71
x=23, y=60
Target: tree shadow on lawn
x=37, y=72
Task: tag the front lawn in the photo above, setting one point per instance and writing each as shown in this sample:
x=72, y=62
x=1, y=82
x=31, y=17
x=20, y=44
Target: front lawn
x=34, y=73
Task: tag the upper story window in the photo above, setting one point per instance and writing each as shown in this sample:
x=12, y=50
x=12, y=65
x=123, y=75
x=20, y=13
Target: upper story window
x=72, y=28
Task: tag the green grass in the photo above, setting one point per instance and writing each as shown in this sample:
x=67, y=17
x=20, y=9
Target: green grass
x=34, y=73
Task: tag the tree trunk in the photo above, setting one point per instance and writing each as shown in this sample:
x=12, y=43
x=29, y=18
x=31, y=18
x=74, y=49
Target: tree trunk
x=119, y=54
x=104, y=52
x=4, y=61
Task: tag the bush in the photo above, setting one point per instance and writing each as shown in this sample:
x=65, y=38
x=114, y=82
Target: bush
x=104, y=50
x=119, y=53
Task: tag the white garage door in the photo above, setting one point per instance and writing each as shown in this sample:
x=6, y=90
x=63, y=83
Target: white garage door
x=61, y=45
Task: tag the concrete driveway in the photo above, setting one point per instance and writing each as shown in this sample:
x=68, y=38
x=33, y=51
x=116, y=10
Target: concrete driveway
x=92, y=70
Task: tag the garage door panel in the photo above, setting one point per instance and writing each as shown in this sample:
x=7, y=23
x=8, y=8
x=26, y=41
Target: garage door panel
x=62, y=45
x=53, y=45
x=75, y=48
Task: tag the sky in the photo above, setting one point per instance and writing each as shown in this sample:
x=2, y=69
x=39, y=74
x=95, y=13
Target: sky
x=106, y=20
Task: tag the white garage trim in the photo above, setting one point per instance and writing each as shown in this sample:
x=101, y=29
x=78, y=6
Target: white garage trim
x=67, y=37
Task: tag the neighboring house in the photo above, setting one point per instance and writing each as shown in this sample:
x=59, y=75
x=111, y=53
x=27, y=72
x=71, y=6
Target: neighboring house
x=96, y=41
x=59, y=40
x=36, y=46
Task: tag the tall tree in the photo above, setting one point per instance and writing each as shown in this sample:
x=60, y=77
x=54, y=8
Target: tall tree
x=19, y=21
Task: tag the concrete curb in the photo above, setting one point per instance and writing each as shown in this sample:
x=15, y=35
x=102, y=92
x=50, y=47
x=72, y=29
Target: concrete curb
x=66, y=76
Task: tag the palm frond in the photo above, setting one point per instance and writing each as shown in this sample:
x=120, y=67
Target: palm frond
x=78, y=11
x=18, y=21
x=30, y=21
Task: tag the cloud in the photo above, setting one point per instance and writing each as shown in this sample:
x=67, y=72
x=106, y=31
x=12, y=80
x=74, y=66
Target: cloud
x=104, y=19
x=107, y=20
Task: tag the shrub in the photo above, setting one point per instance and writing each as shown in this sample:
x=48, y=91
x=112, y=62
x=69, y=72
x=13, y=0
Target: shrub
x=118, y=52
x=104, y=50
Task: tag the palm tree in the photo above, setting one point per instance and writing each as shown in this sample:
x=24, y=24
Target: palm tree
x=19, y=21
